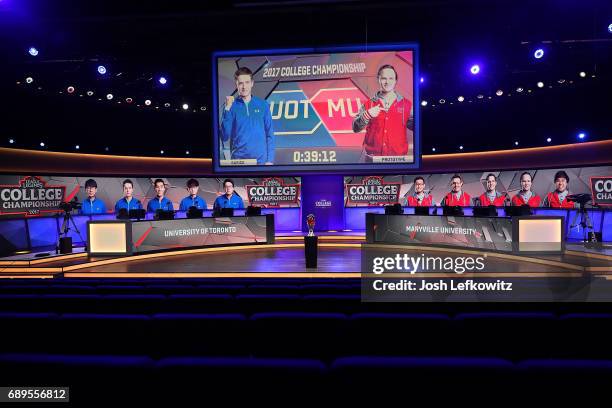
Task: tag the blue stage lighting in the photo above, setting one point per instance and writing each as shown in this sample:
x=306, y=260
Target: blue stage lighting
x=33, y=51
x=539, y=53
x=162, y=80
x=101, y=69
x=610, y=28
x=475, y=69
x=581, y=135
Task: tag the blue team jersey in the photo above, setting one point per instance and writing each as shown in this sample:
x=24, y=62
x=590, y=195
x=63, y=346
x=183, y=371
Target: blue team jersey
x=235, y=201
x=96, y=206
x=155, y=205
x=248, y=127
x=197, y=202
x=134, y=204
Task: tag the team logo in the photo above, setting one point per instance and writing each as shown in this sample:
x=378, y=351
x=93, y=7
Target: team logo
x=601, y=188
x=373, y=191
x=32, y=196
x=273, y=192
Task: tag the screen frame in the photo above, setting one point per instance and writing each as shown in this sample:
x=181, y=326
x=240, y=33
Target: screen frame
x=340, y=168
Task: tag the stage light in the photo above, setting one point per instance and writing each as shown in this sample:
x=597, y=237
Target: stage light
x=433, y=149
x=70, y=89
x=610, y=28
x=442, y=101
x=422, y=80
x=129, y=100
x=539, y=53
x=480, y=96
x=499, y=92
x=423, y=103
x=461, y=147
x=549, y=140
x=187, y=152
x=11, y=141
x=42, y=144
x=33, y=51
x=166, y=105
x=162, y=80
x=461, y=99
x=475, y=69
x=109, y=96
x=516, y=143
x=582, y=74
x=101, y=69
x=89, y=93
x=29, y=80
x=161, y=152
x=540, y=84
x=106, y=149
x=203, y=108
x=185, y=106
x=147, y=102
x=581, y=135
x=519, y=89
x=77, y=147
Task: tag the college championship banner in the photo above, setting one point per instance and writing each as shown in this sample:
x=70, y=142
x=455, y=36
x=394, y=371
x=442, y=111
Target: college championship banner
x=198, y=232
x=465, y=232
x=37, y=195
x=374, y=191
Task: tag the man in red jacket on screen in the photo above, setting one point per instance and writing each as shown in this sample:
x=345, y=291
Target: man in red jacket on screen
x=456, y=197
x=419, y=198
x=526, y=196
x=492, y=196
x=387, y=118
x=558, y=198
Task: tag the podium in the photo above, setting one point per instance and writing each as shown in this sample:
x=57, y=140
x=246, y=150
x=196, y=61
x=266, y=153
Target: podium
x=311, y=245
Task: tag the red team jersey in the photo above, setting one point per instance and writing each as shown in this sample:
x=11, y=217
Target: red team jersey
x=451, y=201
x=552, y=199
x=414, y=202
x=386, y=134
x=497, y=202
x=534, y=201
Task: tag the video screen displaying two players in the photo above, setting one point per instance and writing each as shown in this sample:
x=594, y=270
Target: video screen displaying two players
x=352, y=108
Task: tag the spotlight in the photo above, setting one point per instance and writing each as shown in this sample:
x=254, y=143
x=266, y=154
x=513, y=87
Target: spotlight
x=480, y=96
x=461, y=147
x=148, y=102
x=582, y=74
x=516, y=143
x=540, y=84
x=11, y=141
x=561, y=81
x=499, y=92
x=610, y=28
x=461, y=99
x=442, y=101
x=106, y=149
x=433, y=149
x=519, y=89
x=109, y=96
x=33, y=51
x=422, y=80
x=423, y=103
x=89, y=93
x=129, y=100
x=161, y=152
x=42, y=144
x=185, y=106
x=475, y=69
x=539, y=53
x=202, y=108
x=70, y=89
x=101, y=69
x=581, y=135
x=29, y=80
x=77, y=147
x=549, y=140
x=166, y=105
x=187, y=152
x=162, y=80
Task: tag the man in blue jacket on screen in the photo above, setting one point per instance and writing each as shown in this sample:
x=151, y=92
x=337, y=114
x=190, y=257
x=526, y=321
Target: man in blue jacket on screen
x=247, y=122
x=92, y=204
x=230, y=199
x=128, y=202
x=160, y=202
